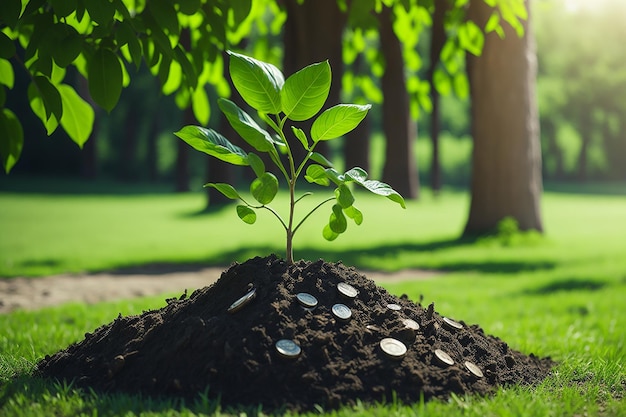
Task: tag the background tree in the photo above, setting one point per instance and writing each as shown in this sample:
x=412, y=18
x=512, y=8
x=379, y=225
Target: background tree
x=506, y=163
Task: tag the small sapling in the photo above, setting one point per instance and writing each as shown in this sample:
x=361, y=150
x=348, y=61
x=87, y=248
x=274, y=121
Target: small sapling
x=278, y=101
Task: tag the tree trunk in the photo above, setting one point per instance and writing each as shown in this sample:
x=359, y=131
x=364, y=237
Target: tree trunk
x=400, y=169
x=437, y=40
x=313, y=32
x=356, y=148
x=585, y=130
x=506, y=160
x=182, y=155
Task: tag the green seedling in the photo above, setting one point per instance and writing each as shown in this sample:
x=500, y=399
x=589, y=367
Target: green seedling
x=298, y=98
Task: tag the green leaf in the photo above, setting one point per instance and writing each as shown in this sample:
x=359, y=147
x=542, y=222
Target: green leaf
x=259, y=83
x=321, y=159
x=11, y=139
x=200, y=105
x=37, y=105
x=471, y=38
x=100, y=11
x=246, y=126
x=72, y=46
x=337, y=221
x=165, y=15
x=188, y=69
x=316, y=174
x=78, y=115
x=10, y=12
x=63, y=8
x=306, y=91
x=241, y=10
x=328, y=233
x=338, y=121
x=7, y=46
x=359, y=176
x=355, y=214
x=264, y=188
x=257, y=164
x=246, y=214
x=7, y=77
x=50, y=95
x=189, y=7
x=212, y=143
x=299, y=133
x=335, y=176
x=226, y=189
x=344, y=196
x=105, y=78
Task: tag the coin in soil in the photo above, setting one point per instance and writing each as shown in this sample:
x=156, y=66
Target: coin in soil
x=394, y=307
x=347, y=290
x=242, y=302
x=474, y=369
x=288, y=348
x=306, y=300
x=341, y=311
x=443, y=357
x=393, y=347
x=411, y=324
x=452, y=324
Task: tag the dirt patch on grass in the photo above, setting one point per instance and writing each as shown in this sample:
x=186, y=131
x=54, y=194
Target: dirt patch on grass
x=270, y=333
x=36, y=293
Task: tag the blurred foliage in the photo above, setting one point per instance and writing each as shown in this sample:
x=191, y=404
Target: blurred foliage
x=581, y=83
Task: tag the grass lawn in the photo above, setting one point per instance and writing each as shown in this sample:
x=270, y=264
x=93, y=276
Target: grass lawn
x=561, y=295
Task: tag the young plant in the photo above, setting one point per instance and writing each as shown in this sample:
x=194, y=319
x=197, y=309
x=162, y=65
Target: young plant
x=276, y=100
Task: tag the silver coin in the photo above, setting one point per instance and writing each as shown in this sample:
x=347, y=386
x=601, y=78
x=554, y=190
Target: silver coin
x=394, y=307
x=341, y=311
x=451, y=323
x=242, y=302
x=347, y=290
x=393, y=347
x=411, y=324
x=473, y=369
x=443, y=357
x=306, y=299
x=288, y=348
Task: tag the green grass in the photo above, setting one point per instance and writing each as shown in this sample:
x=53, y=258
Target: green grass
x=560, y=296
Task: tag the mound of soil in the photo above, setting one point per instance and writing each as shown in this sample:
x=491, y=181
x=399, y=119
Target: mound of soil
x=252, y=341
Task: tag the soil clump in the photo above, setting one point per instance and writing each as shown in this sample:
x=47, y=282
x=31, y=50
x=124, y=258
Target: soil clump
x=224, y=338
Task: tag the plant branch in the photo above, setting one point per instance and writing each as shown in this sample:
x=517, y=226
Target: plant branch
x=311, y=212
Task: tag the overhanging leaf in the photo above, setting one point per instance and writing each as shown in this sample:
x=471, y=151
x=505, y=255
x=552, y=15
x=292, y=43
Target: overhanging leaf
x=337, y=121
x=259, y=83
x=306, y=91
x=212, y=143
x=321, y=159
x=105, y=78
x=78, y=115
x=11, y=139
x=7, y=46
x=50, y=96
x=328, y=233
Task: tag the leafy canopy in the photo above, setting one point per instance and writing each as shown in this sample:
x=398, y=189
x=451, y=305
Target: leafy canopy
x=279, y=101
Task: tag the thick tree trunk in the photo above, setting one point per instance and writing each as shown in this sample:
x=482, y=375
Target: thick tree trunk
x=506, y=162
x=400, y=169
x=438, y=39
x=313, y=32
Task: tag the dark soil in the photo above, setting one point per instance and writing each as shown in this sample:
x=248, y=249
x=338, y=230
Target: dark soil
x=194, y=343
